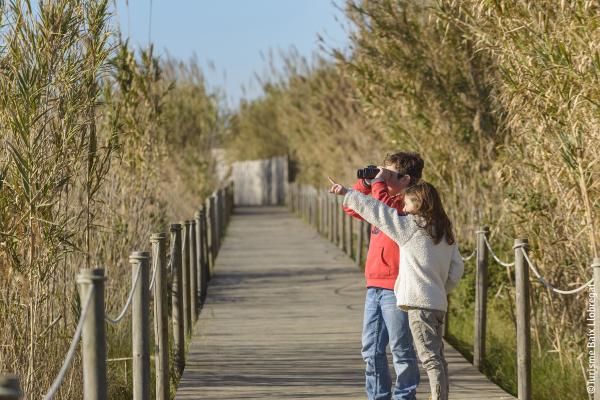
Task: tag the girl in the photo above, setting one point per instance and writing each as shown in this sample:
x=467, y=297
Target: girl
x=430, y=266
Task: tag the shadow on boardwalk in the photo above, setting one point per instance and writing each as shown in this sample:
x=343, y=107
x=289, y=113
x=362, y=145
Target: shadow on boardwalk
x=283, y=320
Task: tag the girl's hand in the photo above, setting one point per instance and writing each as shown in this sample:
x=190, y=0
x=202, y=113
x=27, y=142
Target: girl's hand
x=337, y=188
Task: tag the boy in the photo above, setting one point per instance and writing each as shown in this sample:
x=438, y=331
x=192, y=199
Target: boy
x=383, y=321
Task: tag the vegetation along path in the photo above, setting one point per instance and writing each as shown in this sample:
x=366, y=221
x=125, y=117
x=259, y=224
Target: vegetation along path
x=283, y=320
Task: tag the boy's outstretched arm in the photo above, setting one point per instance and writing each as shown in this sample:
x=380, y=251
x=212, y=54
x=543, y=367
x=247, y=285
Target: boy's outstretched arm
x=398, y=227
x=456, y=270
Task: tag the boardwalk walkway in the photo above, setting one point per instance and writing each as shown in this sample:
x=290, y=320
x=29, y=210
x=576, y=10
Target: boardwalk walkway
x=283, y=317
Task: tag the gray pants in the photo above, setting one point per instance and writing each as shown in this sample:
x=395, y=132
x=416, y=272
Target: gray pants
x=427, y=327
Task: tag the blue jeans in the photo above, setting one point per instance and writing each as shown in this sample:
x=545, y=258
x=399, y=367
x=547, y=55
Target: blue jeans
x=385, y=323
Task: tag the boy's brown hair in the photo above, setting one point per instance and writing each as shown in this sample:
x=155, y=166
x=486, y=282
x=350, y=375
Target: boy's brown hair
x=406, y=163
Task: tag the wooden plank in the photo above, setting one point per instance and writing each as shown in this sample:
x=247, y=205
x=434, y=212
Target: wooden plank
x=283, y=319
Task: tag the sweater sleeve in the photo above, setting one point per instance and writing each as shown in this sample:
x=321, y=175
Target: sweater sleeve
x=399, y=228
x=456, y=269
x=363, y=188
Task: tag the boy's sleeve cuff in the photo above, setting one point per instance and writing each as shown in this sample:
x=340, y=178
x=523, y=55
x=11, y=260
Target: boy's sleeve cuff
x=377, y=183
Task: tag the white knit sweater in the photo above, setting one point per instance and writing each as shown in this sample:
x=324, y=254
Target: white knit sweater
x=428, y=271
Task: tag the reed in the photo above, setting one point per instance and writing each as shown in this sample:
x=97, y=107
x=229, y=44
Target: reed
x=85, y=136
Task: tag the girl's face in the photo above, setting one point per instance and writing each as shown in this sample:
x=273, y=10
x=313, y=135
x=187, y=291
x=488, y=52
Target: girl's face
x=410, y=207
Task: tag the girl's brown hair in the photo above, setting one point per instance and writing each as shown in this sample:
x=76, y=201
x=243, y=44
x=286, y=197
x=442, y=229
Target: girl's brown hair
x=429, y=207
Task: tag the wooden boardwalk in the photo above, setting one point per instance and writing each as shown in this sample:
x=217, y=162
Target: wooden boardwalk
x=283, y=319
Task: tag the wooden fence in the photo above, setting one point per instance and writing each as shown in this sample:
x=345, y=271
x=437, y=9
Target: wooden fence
x=183, y=280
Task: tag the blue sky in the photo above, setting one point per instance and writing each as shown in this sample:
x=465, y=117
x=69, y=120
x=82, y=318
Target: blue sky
x=232, y=34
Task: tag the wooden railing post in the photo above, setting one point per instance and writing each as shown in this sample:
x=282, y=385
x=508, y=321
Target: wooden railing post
x=342, y=238
x=93, y=342
x=481, y=288
x=350, y=238
x=205, y=234
x=321, y=210
x=140, y=325
x=596, y=307
x=201, y=274
x=223, y=215
x=330, y=218
x=161, y=330
x=209, y=239
x=360, y=245
x=336, y=222
x=10, y=388
x=177, y=299
x=217, y=216
x=213, y=232
x=193, y=272
x=523, y=321
x=187, y=284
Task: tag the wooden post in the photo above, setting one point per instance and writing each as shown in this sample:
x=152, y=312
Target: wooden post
x=596, y=307
x=140, y=325
x=223, y=214
x=187, y=284
x=523, y=321
x=481, y=288
x=209, y=238
x=10, y=388
x=359, y=245
x=93, y=341
x=217, y=220
x=161, y=330
x=315, y=205
x=193, y=271
x=350, y=237
x=336, y=222
x=177, y=299
x=342, y=242
x=205, y=234
x=199, y=258
x=322, y=213
x=329, y=218
x=214, y=239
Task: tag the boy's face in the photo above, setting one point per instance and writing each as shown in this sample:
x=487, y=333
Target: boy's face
x=395, y=185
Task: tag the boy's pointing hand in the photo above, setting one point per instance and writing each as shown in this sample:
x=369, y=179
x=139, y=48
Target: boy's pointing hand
x=336, y=188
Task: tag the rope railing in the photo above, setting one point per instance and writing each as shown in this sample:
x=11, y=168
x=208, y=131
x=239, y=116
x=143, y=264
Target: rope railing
x=180, y=282
x=469, y=256
x=72, y=347
x=154, y=268
x=545, y=282
x=492, y=253
x=120, y=316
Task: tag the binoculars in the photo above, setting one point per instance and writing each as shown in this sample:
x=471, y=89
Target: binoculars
x=371, y=172
x=367, y=173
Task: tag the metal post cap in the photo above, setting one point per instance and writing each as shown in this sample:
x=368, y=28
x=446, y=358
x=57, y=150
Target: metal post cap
x=87, y=275
x=155, y=237
x=139, y=255
x=175, y=227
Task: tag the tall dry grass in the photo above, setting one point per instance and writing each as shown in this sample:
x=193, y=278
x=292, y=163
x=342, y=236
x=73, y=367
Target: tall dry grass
x=87, y=171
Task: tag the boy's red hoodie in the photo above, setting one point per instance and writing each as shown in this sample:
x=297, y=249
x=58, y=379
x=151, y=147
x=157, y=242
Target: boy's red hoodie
x=381, y=269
